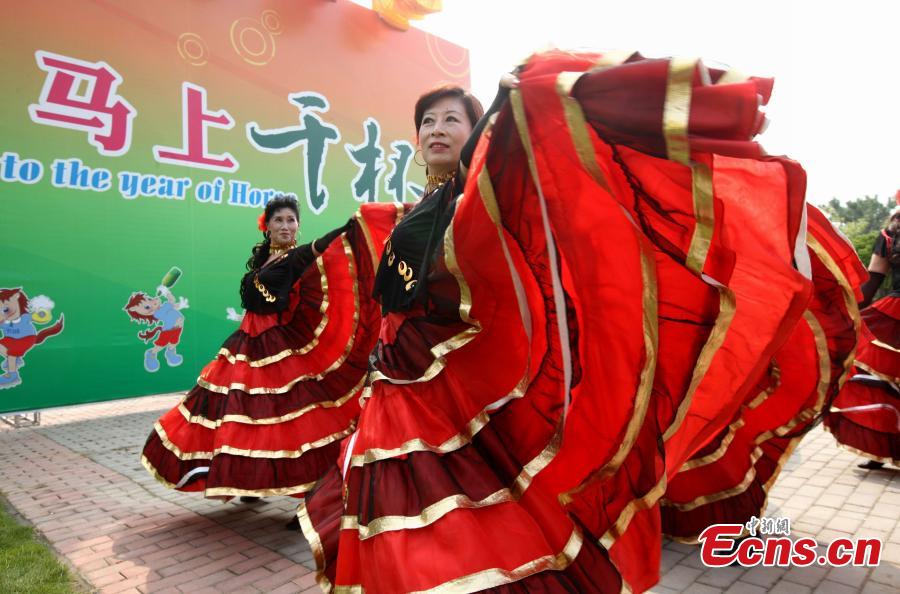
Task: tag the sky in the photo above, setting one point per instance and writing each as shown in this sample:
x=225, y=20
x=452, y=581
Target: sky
x=835, y=107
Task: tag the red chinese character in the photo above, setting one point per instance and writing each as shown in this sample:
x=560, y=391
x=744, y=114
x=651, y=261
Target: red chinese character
x=82, y=96
x=195, y=122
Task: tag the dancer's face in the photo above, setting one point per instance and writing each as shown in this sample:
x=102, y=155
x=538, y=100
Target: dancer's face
x=283, y=226
x=443, y=131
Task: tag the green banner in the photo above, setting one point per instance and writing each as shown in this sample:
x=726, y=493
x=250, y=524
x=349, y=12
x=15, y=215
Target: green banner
x=140, y=142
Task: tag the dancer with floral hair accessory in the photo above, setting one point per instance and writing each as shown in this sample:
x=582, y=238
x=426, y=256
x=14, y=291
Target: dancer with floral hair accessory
x=268, y=413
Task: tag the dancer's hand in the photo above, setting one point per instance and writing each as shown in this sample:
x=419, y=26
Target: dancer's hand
x=509, y=81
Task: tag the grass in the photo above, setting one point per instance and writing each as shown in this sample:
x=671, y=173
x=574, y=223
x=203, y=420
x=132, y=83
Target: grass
x=26, y=564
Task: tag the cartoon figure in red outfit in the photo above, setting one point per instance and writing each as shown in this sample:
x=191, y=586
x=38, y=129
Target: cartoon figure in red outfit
x=18, y=316
x=164, y=318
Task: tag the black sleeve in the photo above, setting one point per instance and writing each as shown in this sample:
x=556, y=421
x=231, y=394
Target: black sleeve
x=301, y=257
x=881, y=247
x=321, y=244
x=869, y=288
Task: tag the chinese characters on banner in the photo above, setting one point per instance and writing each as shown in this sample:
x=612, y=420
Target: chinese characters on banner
x=84, y=96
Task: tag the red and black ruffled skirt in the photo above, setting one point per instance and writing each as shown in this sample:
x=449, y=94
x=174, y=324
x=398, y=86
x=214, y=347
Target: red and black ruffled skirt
x=865, y=417
x=268, y=413
x=625, y=276
x=728, y=479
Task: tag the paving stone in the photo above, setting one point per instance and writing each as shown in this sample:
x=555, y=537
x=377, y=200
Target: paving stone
x=831, y=500
x=78, y=479
x=219, y=577
x=802, y=528
x=886, y=574
x=698, y=588
x=886, y=510
x=680, y=577
x=721, y=577
x=305, y=581
x=849, y=575
x=693, y=561
x=657, y=589
x=876, y=588
x=818, y=512
x=829, y=587
x=846, y=513
x=680, y=547
x=852, y=505
x=842, y=523
x=786, y=587
x=819, y=480
x=744, y=588
x=807, y=576
x=863, y=500
x=890, y=553
x=828, y=535
x=802, y=501
x=669, y=559
x=765, y=577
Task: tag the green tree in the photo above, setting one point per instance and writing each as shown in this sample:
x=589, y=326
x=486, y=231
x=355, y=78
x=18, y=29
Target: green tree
x=861, y=220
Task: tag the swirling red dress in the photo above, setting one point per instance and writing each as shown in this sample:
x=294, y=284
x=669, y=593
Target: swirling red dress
x=268, y=413
x=622, y=276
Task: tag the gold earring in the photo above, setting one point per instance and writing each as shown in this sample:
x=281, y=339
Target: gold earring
x=416, y=154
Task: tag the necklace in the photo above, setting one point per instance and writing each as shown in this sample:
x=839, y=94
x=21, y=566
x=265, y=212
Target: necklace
x=275, y=250
x=434, y=181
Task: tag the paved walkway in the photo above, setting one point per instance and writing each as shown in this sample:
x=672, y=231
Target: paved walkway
x=78, y=479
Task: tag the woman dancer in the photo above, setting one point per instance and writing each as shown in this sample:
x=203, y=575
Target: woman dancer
x=865, y=417
x=559, y=339
x=268, y=413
